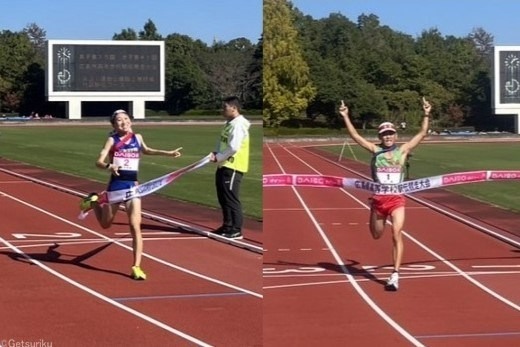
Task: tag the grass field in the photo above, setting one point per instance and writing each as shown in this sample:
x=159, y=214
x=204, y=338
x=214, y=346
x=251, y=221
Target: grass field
x=74, y=149
x=437, y=159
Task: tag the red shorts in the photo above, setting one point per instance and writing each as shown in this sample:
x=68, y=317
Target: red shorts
x=384, y=205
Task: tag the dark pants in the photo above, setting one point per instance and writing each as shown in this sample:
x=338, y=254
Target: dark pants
x=228, y=182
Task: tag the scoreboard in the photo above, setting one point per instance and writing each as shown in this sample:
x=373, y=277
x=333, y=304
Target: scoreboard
x=111, y=67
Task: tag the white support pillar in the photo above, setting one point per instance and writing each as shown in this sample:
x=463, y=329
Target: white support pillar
x=138, y=108
x=74, y=109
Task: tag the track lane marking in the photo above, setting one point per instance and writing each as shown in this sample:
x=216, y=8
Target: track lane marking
x=93, y=241
x=515, y=241
x=380, y=276
x=417, y=242
x=493, y=266
x=296, y=209
x=105, y=298
x=495, y=334
x=344, y=269
x=178, y=296
x=146, y=255
x=169, y=221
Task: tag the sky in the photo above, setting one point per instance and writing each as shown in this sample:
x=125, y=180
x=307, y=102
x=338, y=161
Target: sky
x=499, y=18
x=206, y=20
x=224, y=20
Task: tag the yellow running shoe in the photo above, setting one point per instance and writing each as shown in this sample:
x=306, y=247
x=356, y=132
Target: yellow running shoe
x=137, y=273
x=86, y=203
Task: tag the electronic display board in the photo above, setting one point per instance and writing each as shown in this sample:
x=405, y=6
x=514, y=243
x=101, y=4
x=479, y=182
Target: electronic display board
x=509, y=76
x=113, y=67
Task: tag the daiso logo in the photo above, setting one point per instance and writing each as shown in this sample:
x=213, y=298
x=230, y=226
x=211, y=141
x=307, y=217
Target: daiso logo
x=389, y=169
x=327, y=181
x=126, y=155
x=465, y=177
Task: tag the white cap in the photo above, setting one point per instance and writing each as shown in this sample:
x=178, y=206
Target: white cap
x=386, y=126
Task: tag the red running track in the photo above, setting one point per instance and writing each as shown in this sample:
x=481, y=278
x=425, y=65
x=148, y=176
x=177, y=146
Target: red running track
x=66, y=281
x=324, y=275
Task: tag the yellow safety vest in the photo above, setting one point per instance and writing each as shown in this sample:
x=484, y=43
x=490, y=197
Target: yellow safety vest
x=240, y=160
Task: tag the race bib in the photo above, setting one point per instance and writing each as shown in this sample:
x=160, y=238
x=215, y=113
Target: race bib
x=389, y=174
x=126, y=160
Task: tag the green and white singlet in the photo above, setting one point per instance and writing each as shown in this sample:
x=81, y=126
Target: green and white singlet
x=387, y=167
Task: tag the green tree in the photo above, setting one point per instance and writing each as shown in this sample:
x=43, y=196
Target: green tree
x=38, y=38
x=149, y=32
x=186, y=85
x=33, y=93
x=198, y=76
x=17, y=53
x=287, y=87
x=22, y=76
x=226, y=67
x=252, y=95
x=327, y=45
x=382, y=73
x=128, y=34
x=483, y=42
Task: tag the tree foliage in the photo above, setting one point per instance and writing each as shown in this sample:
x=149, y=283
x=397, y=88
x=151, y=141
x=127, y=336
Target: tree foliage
x=149, y=32
x=186, y=85
x=128, y=34
x=197, y=75
x=37, y=36
x=382, y=73
x=287, y=86
x=226, y=67
x=252, y=86
x=17, y=53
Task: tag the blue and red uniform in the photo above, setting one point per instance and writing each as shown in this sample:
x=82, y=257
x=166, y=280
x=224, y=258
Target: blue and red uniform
x=125, y=154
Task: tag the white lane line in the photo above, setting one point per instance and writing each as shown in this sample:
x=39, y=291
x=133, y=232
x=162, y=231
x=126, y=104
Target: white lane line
x=295, y=209
x=515, y=242
x=472, y=335
x=169, y=221
x=297, y=250
x=345, y=270
x=105, y=298
x=493, y=266
x=144, y=233
x=48, y=243
x=427, y=274
x=146, y=255
x=426, y=248
x=464, y=274
x=380, y=276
